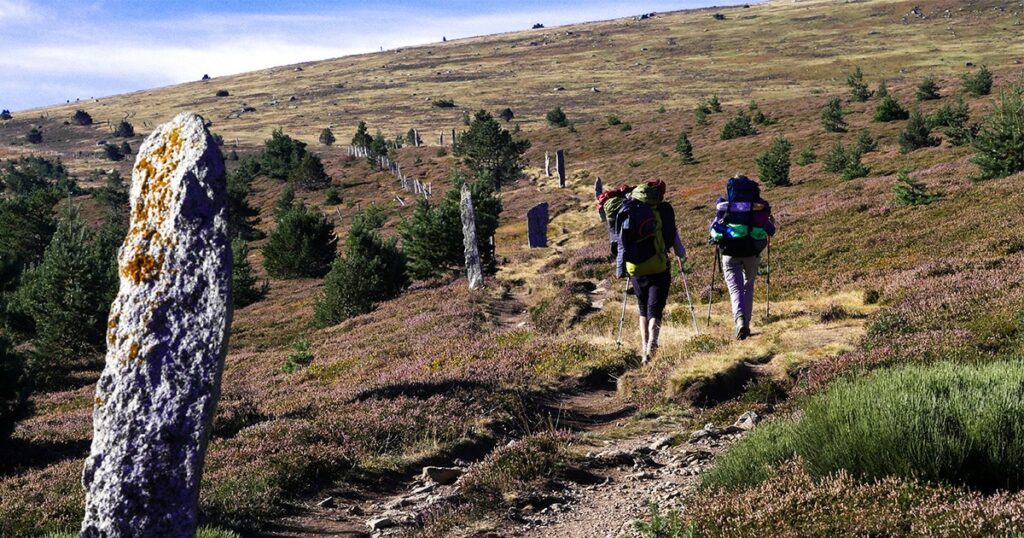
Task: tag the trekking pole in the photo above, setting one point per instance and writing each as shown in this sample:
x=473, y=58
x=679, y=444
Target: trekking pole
x=711, y=290
x=768, y=283
x=686, y=286
x=622, y=318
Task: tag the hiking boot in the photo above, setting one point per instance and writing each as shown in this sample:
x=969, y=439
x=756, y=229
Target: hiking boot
x=739, y=332
x=744, y=333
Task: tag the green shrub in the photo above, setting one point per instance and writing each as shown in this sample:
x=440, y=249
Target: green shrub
x=684, y=149
x=760, y=118
x=954, y=423
x=507, y=114
x=327, y=137
x=738, y=126
x=626, y=127
x=910, y=192
x=31, y=174
x=222, y=93
x=999, y=143
x=432, y=237
x=916, y=135
x=832, y=116
x=302, y=245
x=299, y=358
x=889, y=109
x=124, y=129
x=659, y=524
x=557, y=118
x=490, y=151
x=950, y=115
x=613, y=119
x=112, y=152
x=285, y=202
x=978, y=84
x=34, y=136
x=859, y=91
x=362, y=138
x=927, y=90
x=372, y=270
x=332, y=196
x=308, y=174
x=865, y=142
x=245, y=288
x=806, y=156
x=773, y=165
x=883, y=89
x=854, y=167
x=836, y=159
x=81, y=117
x=281, y=154
x=5, y=115
x=701, y=115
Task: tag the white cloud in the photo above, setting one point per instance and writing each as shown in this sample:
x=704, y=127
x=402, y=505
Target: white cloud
x=18, y=11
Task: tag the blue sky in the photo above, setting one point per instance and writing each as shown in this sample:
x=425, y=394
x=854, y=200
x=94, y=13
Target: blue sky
x=55, y=50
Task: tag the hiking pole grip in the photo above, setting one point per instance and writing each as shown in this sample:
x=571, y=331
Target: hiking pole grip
x=689, y=300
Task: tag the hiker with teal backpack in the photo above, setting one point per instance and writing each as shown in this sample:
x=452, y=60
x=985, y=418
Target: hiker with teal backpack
x=742, y=228
x=644, y=228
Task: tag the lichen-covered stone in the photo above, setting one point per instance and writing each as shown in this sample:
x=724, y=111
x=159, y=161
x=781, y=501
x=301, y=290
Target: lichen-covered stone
x=474, y=271
x=166, y=341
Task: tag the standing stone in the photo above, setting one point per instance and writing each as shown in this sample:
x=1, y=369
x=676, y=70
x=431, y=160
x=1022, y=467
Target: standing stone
x=416, y=137
x=560, y=166
x=453, y=137
x=598, y=189
x=166, y=340
x=474, y=272
x=547, y=164
x=537, y=225
x=440, y=138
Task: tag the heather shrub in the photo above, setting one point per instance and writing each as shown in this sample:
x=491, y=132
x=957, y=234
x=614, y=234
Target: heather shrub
x=832, y=116
x=245, y=287
x=773, y=165
x=302, y=245
x=999, y=144
x=927, y=90
x=684, y=149
x=859, y=91
x=916, y=134
x=557, y=118
x=515, y=467
x=739, y=126
x=371, y=270
x=978, y=84
x=556, y=313
x=945, y=422
x=889, y=109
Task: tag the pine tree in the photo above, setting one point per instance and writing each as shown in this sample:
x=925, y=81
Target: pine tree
x=68, y=298
x=281, y=154
x=701, y=115
x=999, y=144
x=889, y=109
x=714, y=104
x=832, y=116
x=302, y=245
x=738, y=126
x=81, y=117
x=854, y=168
x=557, y=118
x=910, y=192
x=865, y=142
x=285, y=202
x=506, y=114
x=490, y=151
x=112, y=152
x=362, y=138
x=916, y=134
x=124, y=129
x=806, y=156
x=883, y=89
x=126, y=148
x=327, y=137
x=684, y=149
x=14, y=388
x=242, y=217
x=836, y=159
x=927, y=90
x=979, y=83
x=859, y=91
x=34, y=136
x=309, y=173
x=432, y=237
x=245, y=287
x=332, y=196
x=773, y=165
x=371, y=270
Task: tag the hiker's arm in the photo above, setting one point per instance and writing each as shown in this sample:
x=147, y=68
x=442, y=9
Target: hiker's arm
x=770, y=228
x=678, y=247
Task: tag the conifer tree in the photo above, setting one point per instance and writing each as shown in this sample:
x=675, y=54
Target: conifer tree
x=916, y=134
x=836, y=159
x=883, y=89
x=327, y=137
x=910, y=192
x=362, y=138
x=245, y=287
x=739, y=126
x=773, y=165
x=285, y=202
x=556, y=117
x=309, y=173
x=34, y=136
x=927, y=90
x=302, y=245
x=999, y=144
x=491, y=152
x=684, y=149
x=832, y=116
x=854, y=168
x=859, y=91
x=714, y=104
x=806, y=156
x=889, y=109
x=979, y=83
x=281, y=154
x=14, y=388
x=124, y=129
x=865, y=142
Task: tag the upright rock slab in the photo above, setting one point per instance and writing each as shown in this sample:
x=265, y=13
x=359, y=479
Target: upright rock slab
x=474, y=270
x=166, y=340
x=537, y=225
x=560, y=167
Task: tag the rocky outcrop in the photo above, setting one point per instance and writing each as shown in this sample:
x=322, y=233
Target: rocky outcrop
x=166, y=339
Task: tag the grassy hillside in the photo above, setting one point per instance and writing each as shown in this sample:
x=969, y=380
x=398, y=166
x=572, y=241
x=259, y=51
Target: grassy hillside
x=442, y=367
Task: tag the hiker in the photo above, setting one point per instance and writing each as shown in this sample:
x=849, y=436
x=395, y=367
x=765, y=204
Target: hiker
x=742, y=228
x=645, y=230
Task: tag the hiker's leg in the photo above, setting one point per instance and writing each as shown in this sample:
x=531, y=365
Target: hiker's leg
x=642, y=292
x=749, y=275
x=732, y=273
x=656, y=307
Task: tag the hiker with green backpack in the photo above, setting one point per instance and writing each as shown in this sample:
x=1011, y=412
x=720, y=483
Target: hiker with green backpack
x=742, y=229
x=644, y=229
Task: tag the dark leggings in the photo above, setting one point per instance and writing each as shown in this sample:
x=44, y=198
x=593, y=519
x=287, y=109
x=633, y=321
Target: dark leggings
x=652, y=293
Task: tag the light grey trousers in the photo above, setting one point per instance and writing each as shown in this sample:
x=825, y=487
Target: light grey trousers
x=739, y=273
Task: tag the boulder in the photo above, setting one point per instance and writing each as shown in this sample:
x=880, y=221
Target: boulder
x=167, y=337
x=443, y=475
x=747, y=421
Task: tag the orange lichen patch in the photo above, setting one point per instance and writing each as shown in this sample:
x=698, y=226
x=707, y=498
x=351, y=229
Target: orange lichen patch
x=142, y=267
x=133, y=351
x=98, y=401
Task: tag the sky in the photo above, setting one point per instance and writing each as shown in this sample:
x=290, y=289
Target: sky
x=56, y=50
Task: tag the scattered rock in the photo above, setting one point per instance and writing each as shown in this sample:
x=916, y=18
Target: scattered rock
x=425, y=488
x=709, y=431
x=558, y=88
x=327, y=503
x=747, y=421
x=662, y=442
x=443, y=475
x=380, y=523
